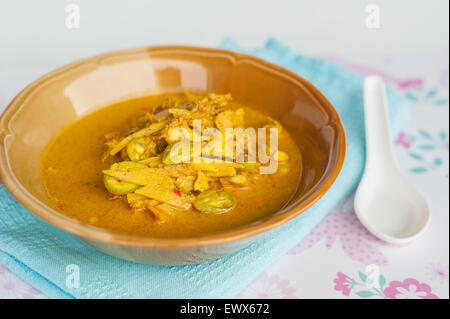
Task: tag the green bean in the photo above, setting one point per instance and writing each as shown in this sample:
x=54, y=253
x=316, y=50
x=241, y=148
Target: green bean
x=118, y=187
x=141, y=148
x=176, y=153
x=215, y=201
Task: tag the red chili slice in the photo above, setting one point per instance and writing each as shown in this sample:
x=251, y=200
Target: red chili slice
x=176, y=191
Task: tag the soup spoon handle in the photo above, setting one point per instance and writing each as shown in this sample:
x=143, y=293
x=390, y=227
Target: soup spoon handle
x=379, y=149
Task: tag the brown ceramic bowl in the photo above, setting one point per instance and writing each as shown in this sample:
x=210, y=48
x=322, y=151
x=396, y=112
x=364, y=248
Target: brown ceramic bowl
x=64, y=95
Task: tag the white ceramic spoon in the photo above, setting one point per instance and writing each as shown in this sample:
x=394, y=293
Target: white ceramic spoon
x=386, y=202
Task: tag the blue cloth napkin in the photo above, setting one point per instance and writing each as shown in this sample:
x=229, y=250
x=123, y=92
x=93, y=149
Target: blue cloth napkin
x=40, y=253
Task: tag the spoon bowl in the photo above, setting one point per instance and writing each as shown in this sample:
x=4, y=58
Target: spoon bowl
x=386, y=202
x=395, y=213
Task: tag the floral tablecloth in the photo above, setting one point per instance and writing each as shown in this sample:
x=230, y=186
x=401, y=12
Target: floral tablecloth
x=339, y=258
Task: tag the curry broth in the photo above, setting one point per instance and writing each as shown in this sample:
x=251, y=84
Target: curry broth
x=72, y=179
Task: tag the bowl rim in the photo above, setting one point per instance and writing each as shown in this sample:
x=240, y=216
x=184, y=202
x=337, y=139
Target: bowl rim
x=48, y=214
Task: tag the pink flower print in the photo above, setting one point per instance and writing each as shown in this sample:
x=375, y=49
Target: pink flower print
x=343, y=283
x=407, y=83
x=443, y=78
x=390, y=78
x=403, y=140
x=409, y=289
x=268, y=286
x=437, y=271
x=356, y=241
x=11, y=287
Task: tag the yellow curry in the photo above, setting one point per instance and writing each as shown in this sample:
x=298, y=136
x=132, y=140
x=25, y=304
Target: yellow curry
x=165, y=166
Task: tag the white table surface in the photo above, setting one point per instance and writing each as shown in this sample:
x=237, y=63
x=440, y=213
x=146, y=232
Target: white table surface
x=332, y=261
